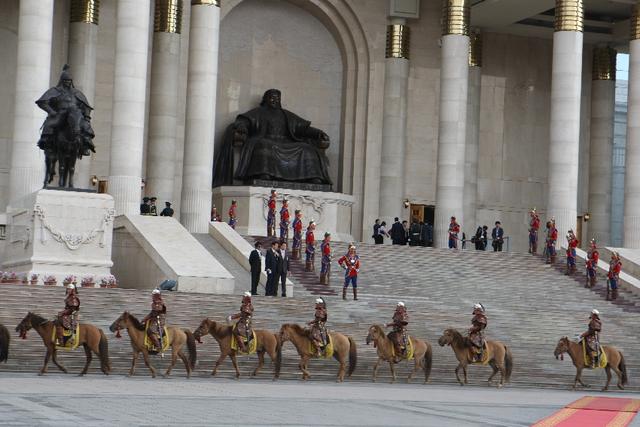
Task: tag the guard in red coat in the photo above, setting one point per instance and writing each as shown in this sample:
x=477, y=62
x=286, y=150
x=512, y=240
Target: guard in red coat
x=592, y=265
x=156, y=319
x=232, y=214
x=310, y=251
x=68, y=318
x=615, y=267
x=454, y=229
x=351, y=264
x=534, y=226
x=592, y=338
x=325, y=268
x=242, y=329
x=284, y=220
x=398, y=335
x=572, y=244
x=550, y=243
x=271, y=214
x=476, y=332
x=296, y=246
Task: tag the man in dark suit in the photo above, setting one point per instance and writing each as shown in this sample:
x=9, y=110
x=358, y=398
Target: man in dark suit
x=397, y=232
x=284, y=268
x=271, y=267
x=497, y=235
x=255, y=262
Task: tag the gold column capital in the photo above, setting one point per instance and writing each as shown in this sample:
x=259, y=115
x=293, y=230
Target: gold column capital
x=635, y=22
x=604, y=63
x=475, y=49
x=168, y=16
x=87, y=11
x=569, y=16
x=398, y=41
x=205, y=2
x=455, y=17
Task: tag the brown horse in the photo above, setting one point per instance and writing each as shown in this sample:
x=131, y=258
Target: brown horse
x=615, y=361
x=422, y=353
x=343, y=346
x=90, y=337
x=177, y=339
x=267, y=342
x=5, y=338
x=499, y=356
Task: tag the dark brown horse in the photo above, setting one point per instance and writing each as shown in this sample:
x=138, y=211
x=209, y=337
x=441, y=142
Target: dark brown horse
x=90, y=337
x=5, y=338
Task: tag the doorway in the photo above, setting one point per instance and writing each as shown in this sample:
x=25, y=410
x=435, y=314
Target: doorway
x=424, y=213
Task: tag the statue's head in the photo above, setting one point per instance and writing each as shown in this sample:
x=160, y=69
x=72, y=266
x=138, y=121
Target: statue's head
x=65, y=77
x=271, y=98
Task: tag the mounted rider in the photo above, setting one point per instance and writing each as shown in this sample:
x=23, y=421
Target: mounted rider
x=155, y=320
x=242, y=330
x=318, y=331
x=534, y=226
x=615, y=267
x=68, y=318
x=592, y=337
x=399, y=335
x=592, y=264
x=476, y=332
x=572, y=244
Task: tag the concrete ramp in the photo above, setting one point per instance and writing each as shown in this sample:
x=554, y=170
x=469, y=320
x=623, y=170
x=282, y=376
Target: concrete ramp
x=148, y=250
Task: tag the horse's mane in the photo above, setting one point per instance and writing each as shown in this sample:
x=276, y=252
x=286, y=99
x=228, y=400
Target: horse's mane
x=38, y=320
x=457, y=336
x=296, y=328
x=379, y=329
x=221, y=330
x=136, y=323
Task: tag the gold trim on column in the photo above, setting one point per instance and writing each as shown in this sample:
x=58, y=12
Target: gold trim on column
x=205, y=2
x=455, y=17
x=569, y=16
x=635, y=22
x=475, y=50
x=168, y=16
x=604, y=63
x=87, y=11
x=398, y=40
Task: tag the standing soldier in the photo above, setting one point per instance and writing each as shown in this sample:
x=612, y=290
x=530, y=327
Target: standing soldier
x=550, y=243
x=398, y=335
x=319, y=335
x=311, y=249
x=271, y=215
x=284, y=220
x=232, y=214
x=592, y=338
x=476, y=332
x=297, y=235
x=242, y=330
x=325, y=268
x=454, y=229
x=351, y=264
x=572, y=244
x=156, y=319
x=592, y=265
x=67, y=318
x=534, y=226
x=615, y=266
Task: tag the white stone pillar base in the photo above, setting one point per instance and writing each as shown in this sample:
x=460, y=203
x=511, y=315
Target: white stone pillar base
x=126, y=191
x=196, y=210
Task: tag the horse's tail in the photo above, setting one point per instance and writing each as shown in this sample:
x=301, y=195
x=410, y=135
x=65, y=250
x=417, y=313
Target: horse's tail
x=103, y=347
x=278, y=356
x=5, y=338
x=428, y=362
x=191, y=346
x=508, y=364
x=353, y=356
x=623, y=369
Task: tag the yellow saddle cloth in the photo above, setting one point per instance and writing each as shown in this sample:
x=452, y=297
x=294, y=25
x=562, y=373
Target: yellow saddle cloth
x=408, y=355
x=485, y=356
x=587, y=358
x=253, y=344
x=149, y=344
x=328, y=349
x=71, y=338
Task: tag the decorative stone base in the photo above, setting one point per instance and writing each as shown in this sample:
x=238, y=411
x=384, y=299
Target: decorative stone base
x=331, y=211
x=60, y=233
x=305, y=186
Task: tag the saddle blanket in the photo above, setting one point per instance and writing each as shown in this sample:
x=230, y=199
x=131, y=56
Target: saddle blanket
x=328, y=349
x=149, y=344
x=408, y=354
x=587, y=358
x=253, y=344
x=71, y=338
x=485, y=356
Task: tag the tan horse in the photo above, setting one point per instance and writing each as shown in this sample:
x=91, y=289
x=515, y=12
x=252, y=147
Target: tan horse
x=499, y=356
x=422, y=353
x=615, y=361
x=343, y=347
x=92, y=339
x=177, y=339
x=5, y=338
x=267, y=342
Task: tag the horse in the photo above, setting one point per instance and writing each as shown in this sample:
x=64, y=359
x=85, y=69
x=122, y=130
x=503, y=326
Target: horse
x=343, y=347
x=67, y=147
x=422, y=353
x=267, y=342
x=177, y=339
x=5, y=338
x=90, y=337
x=615, y=361
x=499, y=356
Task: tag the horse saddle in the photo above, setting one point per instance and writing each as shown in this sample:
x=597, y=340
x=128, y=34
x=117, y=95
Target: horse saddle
x=250, y=344
x=70, y=338
x=148, y=343
x=327, y=348
x=601, y=361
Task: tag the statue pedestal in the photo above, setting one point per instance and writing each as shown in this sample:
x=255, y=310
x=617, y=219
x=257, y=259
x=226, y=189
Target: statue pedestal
x=330, y=211
x=60, y=233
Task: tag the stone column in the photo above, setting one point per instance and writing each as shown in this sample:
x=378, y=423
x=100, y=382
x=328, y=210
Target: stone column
x=129, y=93
x=454, y=80
x=631, y=227
x=83, y=44
x=603, y=93
x=566, y=88
x=33, y=72
x=163, y=114
x=473, y=133
x=202, y=79
x=394, y=125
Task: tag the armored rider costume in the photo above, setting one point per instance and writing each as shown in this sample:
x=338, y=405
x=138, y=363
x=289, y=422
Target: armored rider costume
x=454, y=229
x=68, y=318
x=310, y=250
x=156, y=319
x=318, y=331
x=550, y=243
x=399, y=335
x=271, y=214
x=534, y=226
x=297, y=235
x=351, y=264
x=284, y=220
x=572, y=244
x=615, y=267
x=232, y=214
x=592, y=265
x=242, y=330
x=325, y=269
x=476, y=332
x=592, y=338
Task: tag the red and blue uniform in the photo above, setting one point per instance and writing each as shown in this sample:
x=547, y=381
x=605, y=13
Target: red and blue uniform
x=284, y=221
x=310, y=250
x=297, y=235
x=271, y=215
x=232, y=216
x=593, y=256
x=534, y=226
x=572, y=244
x=351, y=265
x=325, y=268
x=550, y=244
x=454, y=229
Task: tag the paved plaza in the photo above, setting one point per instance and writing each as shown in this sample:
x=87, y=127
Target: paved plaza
x=57, y=400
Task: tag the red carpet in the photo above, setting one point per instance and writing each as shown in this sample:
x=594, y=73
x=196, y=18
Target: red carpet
x=592, y=411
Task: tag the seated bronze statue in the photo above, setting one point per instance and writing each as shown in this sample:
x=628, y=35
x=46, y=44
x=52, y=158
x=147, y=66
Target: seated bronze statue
x=275, y=145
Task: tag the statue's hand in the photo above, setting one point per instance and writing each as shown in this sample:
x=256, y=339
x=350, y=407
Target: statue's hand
x=239, y=135
x=323, y=141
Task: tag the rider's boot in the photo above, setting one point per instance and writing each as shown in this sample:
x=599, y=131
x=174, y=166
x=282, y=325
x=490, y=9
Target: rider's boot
x=344, y=293
x=59, y=335
x=156, y=341
x=318, y=346
x=240, y=341
x=355, y=294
